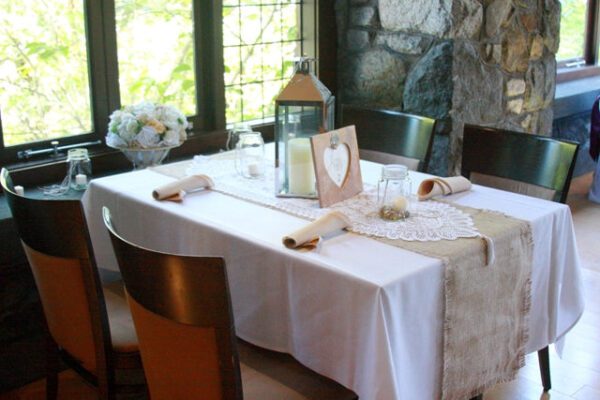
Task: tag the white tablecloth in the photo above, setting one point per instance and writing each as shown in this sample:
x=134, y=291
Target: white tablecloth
x=366, y=314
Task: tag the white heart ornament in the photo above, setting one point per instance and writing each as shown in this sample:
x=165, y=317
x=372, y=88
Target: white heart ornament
x=337, y=163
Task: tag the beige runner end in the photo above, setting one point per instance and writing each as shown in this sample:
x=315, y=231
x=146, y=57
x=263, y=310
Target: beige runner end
x=486, y=306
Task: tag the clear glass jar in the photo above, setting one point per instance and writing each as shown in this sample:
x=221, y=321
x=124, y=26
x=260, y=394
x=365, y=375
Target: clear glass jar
x=250, y=155
x=79, y=169
x=394, y=191
x=233, y=135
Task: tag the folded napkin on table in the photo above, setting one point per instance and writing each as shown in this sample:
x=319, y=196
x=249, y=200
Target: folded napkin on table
x=311, y=233
x=435, y=186
x=175, y=191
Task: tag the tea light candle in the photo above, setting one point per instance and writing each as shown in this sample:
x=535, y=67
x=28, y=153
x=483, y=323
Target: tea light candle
x=80, y=180
x=400, y=204
x=19, y=190
x=254, y=169
x=301, y=173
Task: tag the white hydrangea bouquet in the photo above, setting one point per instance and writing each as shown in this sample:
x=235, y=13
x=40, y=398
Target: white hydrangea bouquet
x=146, y=125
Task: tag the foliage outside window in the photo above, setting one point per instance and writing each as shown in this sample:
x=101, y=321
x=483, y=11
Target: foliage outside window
x=55, y=60
x=43, y=70
x=572, y=30
x=155, y=41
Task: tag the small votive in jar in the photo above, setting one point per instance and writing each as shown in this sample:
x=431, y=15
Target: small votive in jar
x=400, y=204
x=396, y=210
x=80, y=181
x=393, y=192
x=79, y=168
x=250, y=155
x=254, y=170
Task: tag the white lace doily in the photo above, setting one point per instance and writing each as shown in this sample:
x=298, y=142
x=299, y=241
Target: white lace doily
x=428, y=221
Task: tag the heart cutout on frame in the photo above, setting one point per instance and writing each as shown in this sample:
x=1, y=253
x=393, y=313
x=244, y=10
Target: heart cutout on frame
x=337, y=163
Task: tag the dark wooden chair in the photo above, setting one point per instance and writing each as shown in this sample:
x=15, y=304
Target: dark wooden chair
x=181, y=308
x=89, y=326
x=523, y=163
x=391, y=137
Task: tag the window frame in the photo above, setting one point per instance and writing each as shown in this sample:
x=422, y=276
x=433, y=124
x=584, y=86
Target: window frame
x=208, y=125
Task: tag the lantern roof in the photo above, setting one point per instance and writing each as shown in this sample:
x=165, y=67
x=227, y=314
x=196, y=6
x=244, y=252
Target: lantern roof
x=304, y=86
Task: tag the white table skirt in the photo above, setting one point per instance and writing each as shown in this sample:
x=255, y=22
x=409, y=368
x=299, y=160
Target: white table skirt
x=366, y=314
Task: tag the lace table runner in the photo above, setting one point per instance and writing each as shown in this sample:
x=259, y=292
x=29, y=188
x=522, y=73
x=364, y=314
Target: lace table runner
x=429, y=221
x=486, y=306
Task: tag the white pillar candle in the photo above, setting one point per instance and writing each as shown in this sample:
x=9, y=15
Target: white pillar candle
x=19, y=190
x=80, y=180
x=301, y=172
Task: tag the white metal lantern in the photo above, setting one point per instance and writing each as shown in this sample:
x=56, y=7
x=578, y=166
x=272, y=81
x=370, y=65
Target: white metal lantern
x=305, y=107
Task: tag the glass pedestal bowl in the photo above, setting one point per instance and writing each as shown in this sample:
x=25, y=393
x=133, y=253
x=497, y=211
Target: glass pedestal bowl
x=143, y=158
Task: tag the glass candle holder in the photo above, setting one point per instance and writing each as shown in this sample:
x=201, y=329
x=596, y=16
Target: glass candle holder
x=393, y=192
x=250, y=155
x=79, y=168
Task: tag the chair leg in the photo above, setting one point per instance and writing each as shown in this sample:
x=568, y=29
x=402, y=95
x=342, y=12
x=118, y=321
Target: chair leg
x=52, y=366
x=544, y=361
x=106, y=387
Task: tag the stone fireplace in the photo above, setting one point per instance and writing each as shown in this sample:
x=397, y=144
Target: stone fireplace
x=484, y=62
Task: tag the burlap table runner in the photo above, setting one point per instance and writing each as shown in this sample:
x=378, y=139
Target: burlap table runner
x=486, y=307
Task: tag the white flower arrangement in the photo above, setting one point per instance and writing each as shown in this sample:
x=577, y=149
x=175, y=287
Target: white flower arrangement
x=146, y=125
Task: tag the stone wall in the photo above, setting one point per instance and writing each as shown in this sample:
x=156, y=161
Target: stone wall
x=484, y=62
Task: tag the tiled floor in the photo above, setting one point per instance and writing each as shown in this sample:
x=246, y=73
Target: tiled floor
x=574, y=377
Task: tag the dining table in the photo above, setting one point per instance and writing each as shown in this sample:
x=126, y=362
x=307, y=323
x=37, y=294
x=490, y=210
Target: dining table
x=360, y=311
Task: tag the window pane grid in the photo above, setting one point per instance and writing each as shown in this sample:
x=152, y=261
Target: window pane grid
x=258, y=82
x=232, y=46
x=237, y=4
x=144, y=50
x=260, y=40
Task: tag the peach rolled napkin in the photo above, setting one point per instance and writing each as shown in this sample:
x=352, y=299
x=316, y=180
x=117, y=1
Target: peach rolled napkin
x=311, y=233
x=436, y=186
x=175, y=191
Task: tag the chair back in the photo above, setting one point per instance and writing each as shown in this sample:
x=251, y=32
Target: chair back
x=389, y=136
x=181, y=309
x=55, y=238
x=529, y=164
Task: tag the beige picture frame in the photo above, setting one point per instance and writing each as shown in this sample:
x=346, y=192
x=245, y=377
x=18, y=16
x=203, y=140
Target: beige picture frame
x=337, y=165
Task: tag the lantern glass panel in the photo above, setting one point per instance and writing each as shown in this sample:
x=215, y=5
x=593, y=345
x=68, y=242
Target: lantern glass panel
x=295, y=125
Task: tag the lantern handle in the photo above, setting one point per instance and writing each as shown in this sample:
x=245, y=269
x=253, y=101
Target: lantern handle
x=303, y=64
